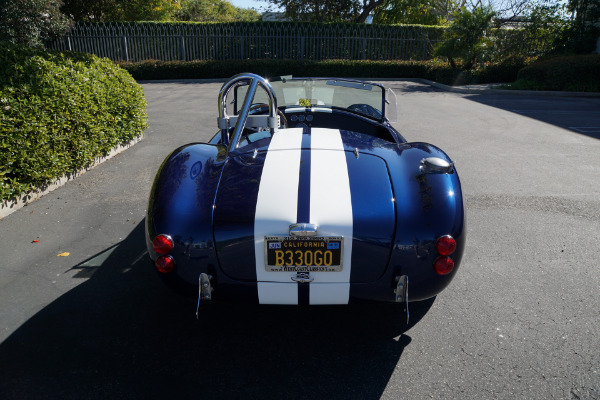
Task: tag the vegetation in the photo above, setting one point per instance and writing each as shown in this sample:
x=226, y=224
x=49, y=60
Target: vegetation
x=466, y=38
x=120, y=10
x=580, y=73
x=328, y=10
x=584, y=29
x=31, y=23
x=156, y=10
x=58, y=112
x=421, y=12
x=432, y=70
x=214, y=11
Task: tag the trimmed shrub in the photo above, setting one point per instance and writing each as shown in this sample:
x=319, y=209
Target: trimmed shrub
x=433, y=70
x=580, y=73
x=58, y=112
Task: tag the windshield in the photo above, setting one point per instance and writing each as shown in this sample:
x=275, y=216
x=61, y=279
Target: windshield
x=367, y=99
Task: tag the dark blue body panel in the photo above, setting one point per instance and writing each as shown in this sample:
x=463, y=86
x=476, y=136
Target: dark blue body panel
x=235, y=207
x=399, y=212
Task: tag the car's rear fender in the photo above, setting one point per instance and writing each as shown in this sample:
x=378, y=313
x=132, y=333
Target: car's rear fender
x=428, y=206
x=181, y=205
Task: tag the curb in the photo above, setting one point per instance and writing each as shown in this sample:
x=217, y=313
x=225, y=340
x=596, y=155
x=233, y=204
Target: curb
x=29, y=197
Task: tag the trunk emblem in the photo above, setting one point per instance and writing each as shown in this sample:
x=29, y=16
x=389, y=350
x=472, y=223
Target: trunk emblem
x=303, y=230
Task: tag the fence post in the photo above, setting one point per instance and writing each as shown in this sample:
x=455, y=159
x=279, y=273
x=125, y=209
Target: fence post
x=69, y=43
x=124, y=53
x=181, y=48
x=241, y=47
x=302, y=48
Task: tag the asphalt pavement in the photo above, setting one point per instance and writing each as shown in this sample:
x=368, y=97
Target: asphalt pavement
x=520, y=320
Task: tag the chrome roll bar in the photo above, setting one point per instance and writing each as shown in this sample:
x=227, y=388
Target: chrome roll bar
x=253, y=81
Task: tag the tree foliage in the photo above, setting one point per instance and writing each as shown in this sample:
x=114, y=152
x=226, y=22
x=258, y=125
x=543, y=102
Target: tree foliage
x=419, y=12
x=328, y=10
x=121, y=10
x=584, y=31
x=31, y=22
x=466, y=37
x=214, y=11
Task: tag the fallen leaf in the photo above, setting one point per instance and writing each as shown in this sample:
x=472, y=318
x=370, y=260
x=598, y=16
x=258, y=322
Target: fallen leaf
x=65, y=254
x=35, y=241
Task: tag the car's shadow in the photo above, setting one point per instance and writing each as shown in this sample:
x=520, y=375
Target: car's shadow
x=122, y=334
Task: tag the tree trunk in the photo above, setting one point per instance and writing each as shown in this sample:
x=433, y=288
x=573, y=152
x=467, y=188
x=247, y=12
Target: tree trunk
x=368, y=6
x=452, y=62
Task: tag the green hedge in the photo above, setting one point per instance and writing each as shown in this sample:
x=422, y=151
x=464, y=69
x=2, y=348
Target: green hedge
x=433, y=70
x=58, y=112
x=579, y=73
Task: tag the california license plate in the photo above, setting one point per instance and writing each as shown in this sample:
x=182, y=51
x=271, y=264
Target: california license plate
x=311, y=254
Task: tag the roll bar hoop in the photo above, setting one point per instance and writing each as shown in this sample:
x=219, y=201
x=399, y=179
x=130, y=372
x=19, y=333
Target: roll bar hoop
x=253, y=81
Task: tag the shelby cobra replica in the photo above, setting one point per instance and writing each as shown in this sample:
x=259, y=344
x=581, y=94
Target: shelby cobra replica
x=306, y=195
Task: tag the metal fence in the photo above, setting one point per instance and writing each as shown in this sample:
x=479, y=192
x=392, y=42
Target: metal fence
x=230, y=41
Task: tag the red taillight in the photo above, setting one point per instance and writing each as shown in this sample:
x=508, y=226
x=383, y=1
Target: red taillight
x=443, y=265
x=162, y=244
x=165, y=264
x=445, y=245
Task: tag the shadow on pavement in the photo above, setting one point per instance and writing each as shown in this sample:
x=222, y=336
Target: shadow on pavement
x=578, y=114
x=408, y=87
x=122, y=334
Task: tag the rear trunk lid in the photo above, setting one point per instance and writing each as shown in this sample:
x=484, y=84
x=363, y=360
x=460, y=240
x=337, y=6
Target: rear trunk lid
x=308, y=178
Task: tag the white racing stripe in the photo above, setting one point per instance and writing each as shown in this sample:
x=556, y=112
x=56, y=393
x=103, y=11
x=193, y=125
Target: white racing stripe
x=276, y=209
x=331, y=210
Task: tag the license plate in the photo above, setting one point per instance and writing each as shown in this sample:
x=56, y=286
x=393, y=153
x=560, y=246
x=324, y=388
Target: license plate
x=311, y=254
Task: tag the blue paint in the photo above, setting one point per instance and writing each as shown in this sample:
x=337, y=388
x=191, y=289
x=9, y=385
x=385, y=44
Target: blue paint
x=304, y=179
x=398, y=213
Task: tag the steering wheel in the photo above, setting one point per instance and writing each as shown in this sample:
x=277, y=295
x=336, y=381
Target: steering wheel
x=258, y=106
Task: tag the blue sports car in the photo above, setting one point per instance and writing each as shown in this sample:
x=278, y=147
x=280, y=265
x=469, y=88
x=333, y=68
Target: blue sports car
x=306, y=195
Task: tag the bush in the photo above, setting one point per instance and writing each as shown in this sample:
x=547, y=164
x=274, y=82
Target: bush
x=579, y=73
x=432, y=69
x=58, y=112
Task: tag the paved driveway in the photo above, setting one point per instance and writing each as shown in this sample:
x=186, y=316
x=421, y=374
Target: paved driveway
x=520, y=320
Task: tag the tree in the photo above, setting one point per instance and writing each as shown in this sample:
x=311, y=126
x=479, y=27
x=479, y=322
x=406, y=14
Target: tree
x=367, y=7
x=465, y=39
x=91, y=10
x=149, y=10
x=32, y=23
x=328, y=10
x=214, y=11
x=584, y=31
x=318, y=10
x=120, y=10
x=505, y=10
x=420, y=12
x=545, y=23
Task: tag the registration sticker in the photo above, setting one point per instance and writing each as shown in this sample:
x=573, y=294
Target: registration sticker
x=303, y=254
